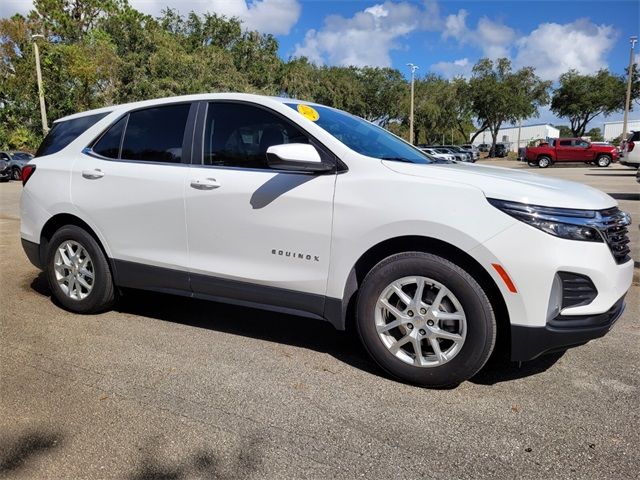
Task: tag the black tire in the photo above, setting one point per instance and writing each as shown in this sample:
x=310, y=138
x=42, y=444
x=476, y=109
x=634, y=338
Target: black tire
x=481, y=323
x=16, y=174
x=532, y=164
x=544, y=161
x=603, y=161
x=102, y=294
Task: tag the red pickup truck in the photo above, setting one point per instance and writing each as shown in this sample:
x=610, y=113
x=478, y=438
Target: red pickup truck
x=570, y=150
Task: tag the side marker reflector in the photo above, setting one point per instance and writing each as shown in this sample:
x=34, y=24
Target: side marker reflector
x=505, y=277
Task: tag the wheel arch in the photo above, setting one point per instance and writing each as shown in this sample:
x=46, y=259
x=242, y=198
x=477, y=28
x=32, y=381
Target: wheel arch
x=60, y=220
x=342, y=312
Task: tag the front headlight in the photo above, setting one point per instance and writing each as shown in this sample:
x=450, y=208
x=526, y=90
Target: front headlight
x=568, y=223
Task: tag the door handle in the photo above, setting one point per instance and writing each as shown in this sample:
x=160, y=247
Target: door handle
x=206, y=184
x=93, y=174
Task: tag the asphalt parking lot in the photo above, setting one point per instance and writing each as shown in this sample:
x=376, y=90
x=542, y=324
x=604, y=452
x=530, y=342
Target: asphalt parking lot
x=171, y=388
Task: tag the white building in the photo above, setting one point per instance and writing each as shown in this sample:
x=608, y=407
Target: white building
x=509, y=135
x=612, y=130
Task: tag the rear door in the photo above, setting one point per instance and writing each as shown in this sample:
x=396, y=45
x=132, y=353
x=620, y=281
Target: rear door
x=256, y=234
x=130, y=185
x=564, y=150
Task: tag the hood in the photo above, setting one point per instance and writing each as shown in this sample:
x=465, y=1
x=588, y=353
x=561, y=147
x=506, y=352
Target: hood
x=512, y=184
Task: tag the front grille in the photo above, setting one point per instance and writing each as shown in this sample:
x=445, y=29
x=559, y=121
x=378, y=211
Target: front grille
x=613, y=226
x=577, y=290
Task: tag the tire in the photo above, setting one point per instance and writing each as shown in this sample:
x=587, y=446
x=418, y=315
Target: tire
x=532, y=164
x=544, y=162
x=603, y=161
x=101, y=294
x=475, y=328
x=16, y=174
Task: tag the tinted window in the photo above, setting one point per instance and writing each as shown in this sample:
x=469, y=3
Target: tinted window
x=4, y=156
x=63, y=133
x=109, y=144
x=362, y=136
x=239, y=135
x=634, y=137
x=565, y=143
x=581, y=143
x=156, y=134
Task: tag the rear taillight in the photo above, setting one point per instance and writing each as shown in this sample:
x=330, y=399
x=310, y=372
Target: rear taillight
x=630, y=146
x=27, y=171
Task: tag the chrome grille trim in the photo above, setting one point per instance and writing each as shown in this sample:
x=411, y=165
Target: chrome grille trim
x=612, y=224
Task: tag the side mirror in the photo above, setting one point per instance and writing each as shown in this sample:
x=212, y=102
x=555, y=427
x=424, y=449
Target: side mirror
x=300, y=157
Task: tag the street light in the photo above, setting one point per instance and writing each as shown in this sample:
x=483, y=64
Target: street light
x=43, y=108
x=632, y=40
x=413, y=70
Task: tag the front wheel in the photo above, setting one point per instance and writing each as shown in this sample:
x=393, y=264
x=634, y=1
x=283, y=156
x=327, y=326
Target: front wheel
x=603, y=161
x=78, y=272
x=425, y=320
x=15, y=174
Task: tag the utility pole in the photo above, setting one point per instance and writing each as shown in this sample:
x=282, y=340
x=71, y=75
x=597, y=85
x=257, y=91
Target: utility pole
x=519, y=130
x=632, y=41
x=43, y=108
x=413, y=70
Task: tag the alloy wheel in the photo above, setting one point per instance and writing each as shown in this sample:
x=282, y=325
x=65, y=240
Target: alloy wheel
x=74, y=270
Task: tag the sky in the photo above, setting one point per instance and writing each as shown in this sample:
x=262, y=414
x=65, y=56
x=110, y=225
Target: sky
x=440, y=36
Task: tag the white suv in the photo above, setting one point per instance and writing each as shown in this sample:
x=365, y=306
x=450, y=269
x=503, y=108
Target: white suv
x=630, y=155
x=305, y=209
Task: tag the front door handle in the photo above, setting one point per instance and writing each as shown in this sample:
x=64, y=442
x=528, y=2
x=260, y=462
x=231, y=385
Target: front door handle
x=93, y=174
x=205, y=184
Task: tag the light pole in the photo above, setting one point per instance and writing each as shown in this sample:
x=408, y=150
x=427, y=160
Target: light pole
x=43, y=108
x=413, y=70
x=632, y=41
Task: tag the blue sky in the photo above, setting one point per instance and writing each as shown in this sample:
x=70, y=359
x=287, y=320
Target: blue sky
x=441, y=36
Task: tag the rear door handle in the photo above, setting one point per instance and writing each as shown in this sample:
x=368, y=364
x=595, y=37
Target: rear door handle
x=93, y=174
x=205, y=184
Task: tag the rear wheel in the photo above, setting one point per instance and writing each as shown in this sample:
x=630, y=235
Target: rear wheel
x=544, y=162
x=603, y=161
x=425, y=320
x=78, y=272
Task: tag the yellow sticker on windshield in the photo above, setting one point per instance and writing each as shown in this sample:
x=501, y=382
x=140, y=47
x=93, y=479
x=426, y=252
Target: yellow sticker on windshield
x=308, y=112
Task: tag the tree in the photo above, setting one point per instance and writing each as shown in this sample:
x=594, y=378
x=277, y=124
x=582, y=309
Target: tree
x=564, y=131
x=499, y=95
x=581, y=98
x=595, y=134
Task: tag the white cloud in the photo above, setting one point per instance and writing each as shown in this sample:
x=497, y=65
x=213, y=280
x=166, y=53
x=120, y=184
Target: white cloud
x=8, y=8
x=368, y=37
x=553, y=48
x=493, y=37
x=458, y=68
x=267, y=16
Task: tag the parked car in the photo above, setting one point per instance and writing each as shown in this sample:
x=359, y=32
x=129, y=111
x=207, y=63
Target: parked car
x=571, y=150
x=302, y=208
x=17, y=160
x=459, y=156
x=630, y=155
x=434, y=153
x=473, y=150
x=483, y=147
x=5, y=171
x=500, y=151
x=468, y=156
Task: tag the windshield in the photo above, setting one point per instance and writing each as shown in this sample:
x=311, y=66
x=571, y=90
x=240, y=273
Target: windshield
x=362, y=136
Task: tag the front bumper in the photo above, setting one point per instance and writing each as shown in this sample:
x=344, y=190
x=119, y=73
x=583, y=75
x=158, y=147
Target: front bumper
x=533, y=260
x=528, y=343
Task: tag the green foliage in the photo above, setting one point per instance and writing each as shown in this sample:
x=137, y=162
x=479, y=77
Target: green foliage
x=595, y=134
x=580, y=98
x=564, y=130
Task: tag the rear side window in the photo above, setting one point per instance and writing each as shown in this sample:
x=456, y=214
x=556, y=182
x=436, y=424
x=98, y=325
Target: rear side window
x=634, y=137
x=155, y=134
x=109, y=144
x=65, y=132
x=565, y=143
